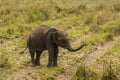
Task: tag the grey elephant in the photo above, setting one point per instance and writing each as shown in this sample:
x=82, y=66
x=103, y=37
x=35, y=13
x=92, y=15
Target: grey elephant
x=47, y=38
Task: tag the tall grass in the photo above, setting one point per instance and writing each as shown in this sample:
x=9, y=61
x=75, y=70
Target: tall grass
x=85, y=73
x=108, y=72
x=88, y=73
x=98, y=19
x=22, y=14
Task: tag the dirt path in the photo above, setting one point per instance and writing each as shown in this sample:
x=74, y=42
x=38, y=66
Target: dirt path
x=90, y=59
x=101, y=50
x=64, y=61
x=71, y=68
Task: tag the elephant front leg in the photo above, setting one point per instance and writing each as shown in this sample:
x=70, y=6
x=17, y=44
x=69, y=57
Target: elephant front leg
x=51, y=57
x=55, y=56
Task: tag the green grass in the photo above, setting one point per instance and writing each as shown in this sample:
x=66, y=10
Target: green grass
x=97, y=20
x=108, y=72
x=112, y=55
x=84, y=73
x=107, y=66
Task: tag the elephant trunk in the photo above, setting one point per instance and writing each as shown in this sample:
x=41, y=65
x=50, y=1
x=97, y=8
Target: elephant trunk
x=73, y=50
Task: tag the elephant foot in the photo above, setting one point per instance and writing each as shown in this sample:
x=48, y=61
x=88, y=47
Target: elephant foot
x=33, y=65
x=38, y=64
x=52, y=65
x=49, y=65
x=55, y=65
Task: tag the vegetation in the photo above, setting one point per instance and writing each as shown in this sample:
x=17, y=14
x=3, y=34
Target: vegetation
x=95, y=22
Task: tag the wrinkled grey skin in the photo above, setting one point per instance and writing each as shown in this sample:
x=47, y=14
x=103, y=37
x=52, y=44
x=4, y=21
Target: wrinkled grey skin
x=46, y=38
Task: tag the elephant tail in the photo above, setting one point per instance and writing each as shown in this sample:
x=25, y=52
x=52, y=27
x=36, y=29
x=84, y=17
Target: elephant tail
x=23, y=50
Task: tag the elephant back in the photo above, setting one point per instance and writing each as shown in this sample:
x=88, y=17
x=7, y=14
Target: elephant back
x=36, y=37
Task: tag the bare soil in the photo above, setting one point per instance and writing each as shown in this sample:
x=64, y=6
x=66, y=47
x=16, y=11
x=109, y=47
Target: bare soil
x=66, y=60
x=101, y=50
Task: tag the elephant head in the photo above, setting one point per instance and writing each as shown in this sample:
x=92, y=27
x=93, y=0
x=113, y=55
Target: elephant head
x=61, y=39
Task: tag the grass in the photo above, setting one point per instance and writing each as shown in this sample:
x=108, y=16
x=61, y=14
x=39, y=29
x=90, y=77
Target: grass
x=46, y=73
x=112, y=56
x=98, y=20
x=88, y=73
x=109, y=73
x=84, y=73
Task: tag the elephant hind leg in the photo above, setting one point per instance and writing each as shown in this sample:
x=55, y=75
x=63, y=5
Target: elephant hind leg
x=32, y=53
x=37, y=60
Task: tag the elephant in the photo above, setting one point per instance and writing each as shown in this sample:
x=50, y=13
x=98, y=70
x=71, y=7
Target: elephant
x=47, y=38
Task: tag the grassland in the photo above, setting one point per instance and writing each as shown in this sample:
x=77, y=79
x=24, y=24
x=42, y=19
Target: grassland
x=94, y=22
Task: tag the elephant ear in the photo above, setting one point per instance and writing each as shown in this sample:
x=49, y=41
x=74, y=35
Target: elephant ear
x=54, y=36
x=51, y=34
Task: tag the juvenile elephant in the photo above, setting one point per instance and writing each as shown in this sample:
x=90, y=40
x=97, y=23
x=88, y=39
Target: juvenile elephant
x=47, y=38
